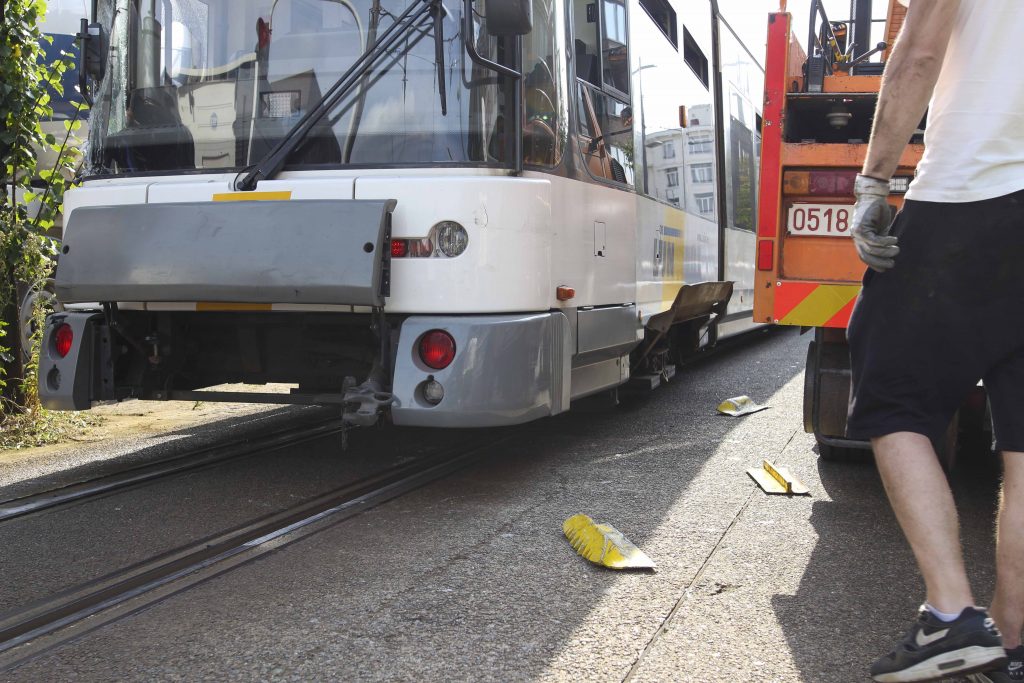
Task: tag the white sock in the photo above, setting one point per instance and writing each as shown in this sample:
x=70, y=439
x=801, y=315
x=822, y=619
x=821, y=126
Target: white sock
x=942, y=616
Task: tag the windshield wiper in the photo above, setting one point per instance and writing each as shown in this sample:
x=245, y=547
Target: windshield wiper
x=275, y=159
x=442, y=92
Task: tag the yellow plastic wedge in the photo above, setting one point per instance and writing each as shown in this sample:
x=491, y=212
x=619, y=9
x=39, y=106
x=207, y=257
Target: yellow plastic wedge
x=739, y=406
x=603, y=544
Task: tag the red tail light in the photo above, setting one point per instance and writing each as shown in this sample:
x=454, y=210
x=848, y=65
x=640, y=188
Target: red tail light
x=437, y=349
x=765, y=254
x=62, y=339
x=399, y=248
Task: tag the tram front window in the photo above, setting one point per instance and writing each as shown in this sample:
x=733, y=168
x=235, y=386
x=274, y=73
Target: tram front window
x=215, y=84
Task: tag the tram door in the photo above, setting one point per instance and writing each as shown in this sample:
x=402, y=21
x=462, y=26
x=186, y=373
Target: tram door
x=742, y=88
x=602, y=70
x=605, y=145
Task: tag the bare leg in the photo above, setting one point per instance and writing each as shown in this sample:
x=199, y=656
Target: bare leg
x=923, y=503
x=1008, y=603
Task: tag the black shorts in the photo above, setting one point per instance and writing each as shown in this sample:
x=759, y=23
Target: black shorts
x=950, y=313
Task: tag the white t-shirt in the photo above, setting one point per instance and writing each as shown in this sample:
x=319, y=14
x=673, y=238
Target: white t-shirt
x=974, y=142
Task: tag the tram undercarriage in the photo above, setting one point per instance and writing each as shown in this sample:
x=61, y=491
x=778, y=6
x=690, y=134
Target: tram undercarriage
x=507, y=369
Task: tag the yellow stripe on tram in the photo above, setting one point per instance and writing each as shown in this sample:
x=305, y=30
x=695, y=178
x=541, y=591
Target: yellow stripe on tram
x=282, y=195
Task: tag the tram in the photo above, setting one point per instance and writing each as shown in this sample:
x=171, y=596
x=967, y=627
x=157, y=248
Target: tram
x=452, y=214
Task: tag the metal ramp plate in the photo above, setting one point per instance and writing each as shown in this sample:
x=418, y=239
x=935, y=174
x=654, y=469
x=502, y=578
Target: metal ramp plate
x=299, y=251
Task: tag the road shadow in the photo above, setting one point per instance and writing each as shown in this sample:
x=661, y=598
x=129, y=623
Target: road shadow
x=473, y=571
x=520, y=597
x=861, y=588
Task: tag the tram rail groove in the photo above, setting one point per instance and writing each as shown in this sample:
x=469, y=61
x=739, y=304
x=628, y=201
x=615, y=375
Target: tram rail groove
x=31, y=631
x=208, y=456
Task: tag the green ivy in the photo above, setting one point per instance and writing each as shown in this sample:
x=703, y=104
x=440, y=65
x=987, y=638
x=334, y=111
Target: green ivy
x=33, y=197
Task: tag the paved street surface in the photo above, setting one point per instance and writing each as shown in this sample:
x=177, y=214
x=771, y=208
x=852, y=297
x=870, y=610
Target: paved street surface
x=470, y=578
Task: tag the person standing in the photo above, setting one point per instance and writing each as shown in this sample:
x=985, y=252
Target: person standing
x=940, y=309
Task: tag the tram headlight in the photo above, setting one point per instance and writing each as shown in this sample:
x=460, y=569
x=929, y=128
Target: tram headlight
x=433, y=392
x=451, y=238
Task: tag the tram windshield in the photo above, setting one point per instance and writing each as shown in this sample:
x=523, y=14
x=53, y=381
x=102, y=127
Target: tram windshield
x=63, y=19
x=215, y=84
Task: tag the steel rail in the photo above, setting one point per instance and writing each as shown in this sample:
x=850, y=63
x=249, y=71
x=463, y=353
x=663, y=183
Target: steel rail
x=31, y=631
x=209, y=456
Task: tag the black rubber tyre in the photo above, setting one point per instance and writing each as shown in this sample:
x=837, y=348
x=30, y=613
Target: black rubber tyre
x=810, y=374
x=26, y=313
x=832, y=453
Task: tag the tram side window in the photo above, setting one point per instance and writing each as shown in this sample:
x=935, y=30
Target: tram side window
x=662, y=14
x=546, y=105
x=695, y=57
x=603, y=72
x=588, y=58
x=675, y=161
x=616, y=56
x=742, y=83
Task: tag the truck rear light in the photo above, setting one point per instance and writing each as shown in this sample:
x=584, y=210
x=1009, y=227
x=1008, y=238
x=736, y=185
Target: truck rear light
x=399, y=248
x=765, y=254
x=437, y=349
x=829, y=183
x=62, y=338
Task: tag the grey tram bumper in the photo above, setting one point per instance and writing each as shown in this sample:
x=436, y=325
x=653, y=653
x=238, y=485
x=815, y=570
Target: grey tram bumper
x=508, y=369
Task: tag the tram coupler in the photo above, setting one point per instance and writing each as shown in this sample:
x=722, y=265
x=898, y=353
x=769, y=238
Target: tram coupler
x=364, y=404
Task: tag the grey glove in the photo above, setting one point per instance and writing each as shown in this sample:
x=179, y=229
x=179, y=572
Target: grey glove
x=872, y=217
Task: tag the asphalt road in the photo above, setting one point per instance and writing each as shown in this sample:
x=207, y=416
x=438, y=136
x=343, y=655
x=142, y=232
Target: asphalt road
x=470, y=578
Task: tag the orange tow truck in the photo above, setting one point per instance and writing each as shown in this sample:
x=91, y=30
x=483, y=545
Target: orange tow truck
x=818, y=111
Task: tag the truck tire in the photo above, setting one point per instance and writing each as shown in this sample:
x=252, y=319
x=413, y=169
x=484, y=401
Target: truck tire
x=831, y=453
x=810, y=372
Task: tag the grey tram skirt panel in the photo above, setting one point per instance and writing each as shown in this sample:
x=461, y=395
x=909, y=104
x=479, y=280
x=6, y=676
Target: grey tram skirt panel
x=296, y=252
x=508, y=369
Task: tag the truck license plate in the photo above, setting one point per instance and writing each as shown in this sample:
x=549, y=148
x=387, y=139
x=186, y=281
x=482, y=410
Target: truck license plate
x=822, y=220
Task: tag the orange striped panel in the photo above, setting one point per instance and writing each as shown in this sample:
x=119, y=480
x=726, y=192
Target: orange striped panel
x=811, y=304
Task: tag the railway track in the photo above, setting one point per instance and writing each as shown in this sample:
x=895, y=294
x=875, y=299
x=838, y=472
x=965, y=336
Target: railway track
x=32, y=630
x=210, y=456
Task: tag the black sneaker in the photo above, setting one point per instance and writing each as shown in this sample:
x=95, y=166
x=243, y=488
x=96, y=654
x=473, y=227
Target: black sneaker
x=935, y=649
x=1012, y=671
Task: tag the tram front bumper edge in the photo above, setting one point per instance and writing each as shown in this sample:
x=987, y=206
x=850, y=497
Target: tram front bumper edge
x=508, y=369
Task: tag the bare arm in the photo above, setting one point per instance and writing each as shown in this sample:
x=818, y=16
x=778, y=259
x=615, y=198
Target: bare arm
x=910, y=77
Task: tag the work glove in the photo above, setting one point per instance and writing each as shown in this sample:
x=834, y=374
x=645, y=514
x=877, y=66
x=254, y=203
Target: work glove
x=872, y=217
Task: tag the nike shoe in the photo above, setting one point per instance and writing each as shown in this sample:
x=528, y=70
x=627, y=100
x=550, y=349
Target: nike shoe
x=1010, y=672
x=934, y=649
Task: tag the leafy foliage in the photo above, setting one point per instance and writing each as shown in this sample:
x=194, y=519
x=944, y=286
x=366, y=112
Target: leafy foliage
x=29, y=78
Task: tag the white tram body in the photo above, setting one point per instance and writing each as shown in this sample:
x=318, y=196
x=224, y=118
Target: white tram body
x=573, y=207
